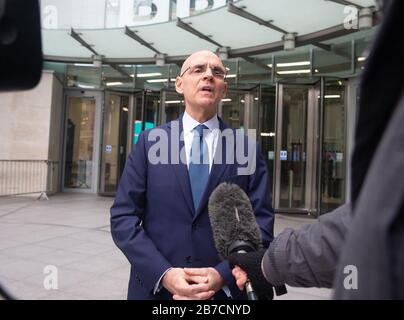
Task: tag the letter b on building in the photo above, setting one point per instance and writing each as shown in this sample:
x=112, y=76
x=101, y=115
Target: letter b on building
x=351, y=280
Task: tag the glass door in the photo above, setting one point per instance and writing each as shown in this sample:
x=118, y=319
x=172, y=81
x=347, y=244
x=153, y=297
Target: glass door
x=146, y=113
x=114, y=142
x=296, y=152
x=267, y=121
x=81, y=141
x=333, y=145
x=232, y=109
x=172, y=105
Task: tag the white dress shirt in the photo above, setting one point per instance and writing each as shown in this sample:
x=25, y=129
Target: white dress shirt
x=210, y=135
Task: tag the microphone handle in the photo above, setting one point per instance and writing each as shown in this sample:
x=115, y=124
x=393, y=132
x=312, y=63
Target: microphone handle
x=248, y=287
x=250, y=291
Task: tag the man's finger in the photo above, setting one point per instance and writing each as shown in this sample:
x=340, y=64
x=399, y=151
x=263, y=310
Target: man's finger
x=196, y=279
x=196, y=271
x=192, y=289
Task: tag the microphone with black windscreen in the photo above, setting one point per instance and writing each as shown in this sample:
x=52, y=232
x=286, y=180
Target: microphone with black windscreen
x=234, y=227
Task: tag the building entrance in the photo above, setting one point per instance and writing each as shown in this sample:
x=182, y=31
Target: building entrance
x=310, y=147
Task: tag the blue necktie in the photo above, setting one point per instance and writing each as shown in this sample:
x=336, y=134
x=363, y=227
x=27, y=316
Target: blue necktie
x=198, y=169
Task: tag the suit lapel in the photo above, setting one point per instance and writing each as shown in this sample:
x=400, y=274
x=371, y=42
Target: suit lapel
x=217, y=171
x=180, y=168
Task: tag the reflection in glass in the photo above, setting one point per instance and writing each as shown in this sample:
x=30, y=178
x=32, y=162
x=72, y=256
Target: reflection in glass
x=80, y=143
x=233, y=110
x=293, y=150
x=333, y=155
x=174, y=106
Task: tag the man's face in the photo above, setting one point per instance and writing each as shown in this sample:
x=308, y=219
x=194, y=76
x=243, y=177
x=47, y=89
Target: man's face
x=202, y=81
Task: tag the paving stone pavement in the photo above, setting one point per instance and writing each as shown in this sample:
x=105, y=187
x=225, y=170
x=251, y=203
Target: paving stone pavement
x=71, y=233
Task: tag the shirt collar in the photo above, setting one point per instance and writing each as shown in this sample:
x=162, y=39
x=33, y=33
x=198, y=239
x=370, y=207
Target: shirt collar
x=190, y=123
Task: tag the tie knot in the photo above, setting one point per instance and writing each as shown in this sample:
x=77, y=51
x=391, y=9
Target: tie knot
x=199, y=128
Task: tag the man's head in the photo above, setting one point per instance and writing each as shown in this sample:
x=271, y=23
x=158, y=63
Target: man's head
x=202, y=83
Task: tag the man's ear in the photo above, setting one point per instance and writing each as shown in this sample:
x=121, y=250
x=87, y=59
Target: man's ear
x=225, y=87
x=178, y=85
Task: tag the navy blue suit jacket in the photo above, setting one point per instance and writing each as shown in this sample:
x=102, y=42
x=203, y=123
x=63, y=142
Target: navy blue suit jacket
x=154, y=223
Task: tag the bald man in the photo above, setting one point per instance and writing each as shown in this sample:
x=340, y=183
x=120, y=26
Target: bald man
x=159, y=218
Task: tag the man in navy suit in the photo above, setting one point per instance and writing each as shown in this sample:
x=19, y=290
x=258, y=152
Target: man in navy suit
x=160, y=217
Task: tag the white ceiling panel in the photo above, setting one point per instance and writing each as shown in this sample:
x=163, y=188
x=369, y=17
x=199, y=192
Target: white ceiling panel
x=172, y=40
x=231, y=30
x=115, y=43
x=60, y=43
x=301, y=16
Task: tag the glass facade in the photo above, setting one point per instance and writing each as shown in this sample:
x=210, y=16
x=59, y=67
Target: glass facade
x=296, y=100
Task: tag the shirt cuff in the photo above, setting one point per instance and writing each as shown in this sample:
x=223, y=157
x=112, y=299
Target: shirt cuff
x=158, y=286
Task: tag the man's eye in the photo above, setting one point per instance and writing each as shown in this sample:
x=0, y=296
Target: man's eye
x=198, y=70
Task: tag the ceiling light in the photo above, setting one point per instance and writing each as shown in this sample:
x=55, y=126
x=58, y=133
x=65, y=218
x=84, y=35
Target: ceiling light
x=84, y=86
x=294, y=71
x=293, y=64
x=156, y=80
x=230, y=76
x=114, y=83
x=331, y=96
x=125, y=109
x=269, y=65
x=361, y=59
x=146, y=75
x=173, y=101
x=226, y=100
x=83, y=65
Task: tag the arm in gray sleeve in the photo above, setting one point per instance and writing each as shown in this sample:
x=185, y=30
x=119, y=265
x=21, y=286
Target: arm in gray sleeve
x=308, y=257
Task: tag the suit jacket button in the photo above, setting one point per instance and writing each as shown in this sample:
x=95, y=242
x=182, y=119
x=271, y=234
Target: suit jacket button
x=194, y=226
x=188, y=259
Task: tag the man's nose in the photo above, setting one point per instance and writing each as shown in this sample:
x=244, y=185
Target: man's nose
x=208, y=73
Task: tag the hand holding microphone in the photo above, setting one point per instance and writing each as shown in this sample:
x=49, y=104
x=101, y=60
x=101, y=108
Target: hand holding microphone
x=237, y=234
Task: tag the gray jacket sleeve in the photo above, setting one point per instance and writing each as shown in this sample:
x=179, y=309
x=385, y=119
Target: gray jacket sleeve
x=308, y=257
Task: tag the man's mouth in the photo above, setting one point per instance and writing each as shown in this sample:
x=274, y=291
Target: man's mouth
x=207, y=89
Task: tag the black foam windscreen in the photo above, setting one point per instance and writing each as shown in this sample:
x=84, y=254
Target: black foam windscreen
x=232, y=218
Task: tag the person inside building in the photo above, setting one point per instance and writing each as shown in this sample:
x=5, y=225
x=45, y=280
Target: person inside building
x=358, y=248
x=159, y=218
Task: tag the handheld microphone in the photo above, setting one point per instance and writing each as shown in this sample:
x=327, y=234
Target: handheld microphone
x=234, y=227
